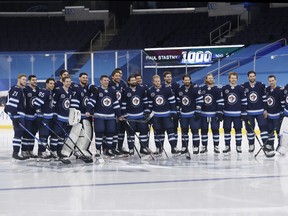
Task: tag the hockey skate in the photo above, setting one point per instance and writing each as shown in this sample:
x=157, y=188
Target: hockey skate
x=251, y=148
x=44, y=157
x=268, y=150
x=195, y=150
x=175, y=151
x=17, y=157
x=123, y=151
x=158, y=152
x=110, y=154
x=216, y=150
x=238, y=149
x=204, y=150
x=227, y=150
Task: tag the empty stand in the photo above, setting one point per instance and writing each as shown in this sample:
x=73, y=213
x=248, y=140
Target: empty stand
x=167, y=30
x=46, y=33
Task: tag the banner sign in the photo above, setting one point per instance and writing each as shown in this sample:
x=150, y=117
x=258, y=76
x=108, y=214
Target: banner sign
x=198, y=56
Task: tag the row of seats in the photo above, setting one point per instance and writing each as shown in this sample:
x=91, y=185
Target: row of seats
x=164, y=30
x=267, y=28
x=46, y=33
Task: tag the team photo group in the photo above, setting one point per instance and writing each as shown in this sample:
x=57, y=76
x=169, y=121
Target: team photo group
x=65, y=117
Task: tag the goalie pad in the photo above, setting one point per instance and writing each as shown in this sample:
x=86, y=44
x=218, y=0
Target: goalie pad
x=74, y=116
x=74, y=135
x=84, y=140
x=283, y=134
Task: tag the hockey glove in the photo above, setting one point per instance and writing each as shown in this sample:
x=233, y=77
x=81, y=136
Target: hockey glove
x=197, y=115
x=219, y=117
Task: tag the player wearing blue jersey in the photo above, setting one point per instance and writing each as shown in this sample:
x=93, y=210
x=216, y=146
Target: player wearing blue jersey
x=63, y=73
x=62, y=100
x=118, y=85
x=15, y=108
x=105, y=106
x=30, y=91
x=189, y=100
x=135, y=106
x=212, y=113
x=82, y=134
x=286, y=101
x=162, y=102
x=167, y=75
x=275, y=107
x=44, y=107
x=256, y=110
x=235, y=103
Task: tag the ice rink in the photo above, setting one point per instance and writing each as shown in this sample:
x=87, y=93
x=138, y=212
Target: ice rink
x=205, y=185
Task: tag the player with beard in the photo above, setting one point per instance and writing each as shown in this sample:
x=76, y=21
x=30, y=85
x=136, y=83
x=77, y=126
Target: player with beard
x=256, y=111
x=134, y=106
x=190, y=101
x=212, y=113
x=15, y=108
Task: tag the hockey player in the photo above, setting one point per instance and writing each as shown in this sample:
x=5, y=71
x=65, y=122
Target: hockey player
x=62, y=99
x=63, y=73
x=163, y=103
x=81, y=94
x=139, y=81
x=167, y=75
x=235, y=103
x=44, y=107
x=134, y=106
x=106, y=108
x=30, y=91
x=119, y=85
x=190, y=101
x=15, y=108
x=275, y=105
x=256, y=110
x=212, y=113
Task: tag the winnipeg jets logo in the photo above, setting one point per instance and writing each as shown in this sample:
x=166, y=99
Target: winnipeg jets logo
x=159, y=100
x=270, y=101
x=253, y=97
x=66, y=103
x=232, y=98
x=135, y=101
x=85, y=101
x=208, y=99
x=29, y=95
x=185, y=101
x=106, y=102
x=32, y=101
x=118, y=95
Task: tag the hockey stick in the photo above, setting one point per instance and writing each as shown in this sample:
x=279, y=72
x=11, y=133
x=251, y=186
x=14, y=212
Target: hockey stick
x=84, y=158
x=141, y=144
x=162, y=144
x=65, y=161
x=262, y=146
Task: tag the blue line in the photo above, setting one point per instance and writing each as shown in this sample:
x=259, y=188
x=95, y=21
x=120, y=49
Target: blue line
x=142, y=182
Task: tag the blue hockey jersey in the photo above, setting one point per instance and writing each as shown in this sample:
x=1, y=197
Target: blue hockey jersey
x=134, y=102
x=62, y=101
x=256, y=98
x=162, y=101
x=118, y=87
x=80, y=98
x=235, y=100
x=275, y=102
x=44, y=103
x=30, y=95
x=16, y=102
x=189, y=100
x=213, y=101
x=104, y=104
x=286, y=100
